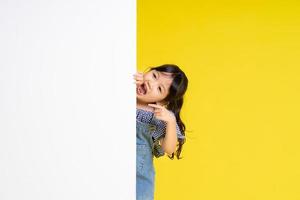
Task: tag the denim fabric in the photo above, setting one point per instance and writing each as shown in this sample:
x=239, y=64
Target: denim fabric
x=145, y=172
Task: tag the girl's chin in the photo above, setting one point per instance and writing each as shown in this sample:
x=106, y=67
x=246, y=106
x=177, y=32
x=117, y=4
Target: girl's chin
x=143, y=100
x=140, y=96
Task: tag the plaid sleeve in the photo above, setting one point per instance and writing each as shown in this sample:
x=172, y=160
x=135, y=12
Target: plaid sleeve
x=160, y=130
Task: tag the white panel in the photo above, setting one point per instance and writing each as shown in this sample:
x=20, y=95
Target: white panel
x=67, y=99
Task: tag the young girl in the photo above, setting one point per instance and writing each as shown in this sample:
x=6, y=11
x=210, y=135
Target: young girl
x=159, y=127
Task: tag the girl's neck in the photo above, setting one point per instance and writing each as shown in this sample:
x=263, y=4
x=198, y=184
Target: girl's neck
x=143, y=106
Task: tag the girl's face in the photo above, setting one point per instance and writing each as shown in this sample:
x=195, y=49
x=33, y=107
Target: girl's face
x=155, y=87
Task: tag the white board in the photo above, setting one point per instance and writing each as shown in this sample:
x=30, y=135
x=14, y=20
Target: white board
x=67, y=99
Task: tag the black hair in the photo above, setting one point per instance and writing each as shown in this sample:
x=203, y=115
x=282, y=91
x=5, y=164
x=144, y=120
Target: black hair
x=175, y=98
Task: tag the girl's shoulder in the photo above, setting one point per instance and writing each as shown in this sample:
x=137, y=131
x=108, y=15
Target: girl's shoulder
x=145, y=116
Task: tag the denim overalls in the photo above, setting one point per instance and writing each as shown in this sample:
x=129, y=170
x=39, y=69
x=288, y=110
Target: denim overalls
x=145, y=172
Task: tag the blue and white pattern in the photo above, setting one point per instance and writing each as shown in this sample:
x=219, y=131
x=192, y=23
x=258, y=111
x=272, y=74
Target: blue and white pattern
x=159, y=131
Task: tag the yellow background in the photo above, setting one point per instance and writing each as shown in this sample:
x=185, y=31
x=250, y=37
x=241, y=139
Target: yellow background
x=242, y=106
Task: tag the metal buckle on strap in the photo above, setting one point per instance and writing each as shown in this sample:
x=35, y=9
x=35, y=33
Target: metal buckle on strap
x=152, y=127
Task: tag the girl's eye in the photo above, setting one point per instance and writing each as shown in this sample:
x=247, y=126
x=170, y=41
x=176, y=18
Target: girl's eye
x=154, y=75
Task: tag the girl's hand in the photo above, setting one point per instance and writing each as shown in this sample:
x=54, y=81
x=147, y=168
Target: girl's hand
x=139, y=78
x=161, y=113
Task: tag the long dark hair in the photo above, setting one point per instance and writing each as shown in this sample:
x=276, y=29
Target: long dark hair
x=175, y=98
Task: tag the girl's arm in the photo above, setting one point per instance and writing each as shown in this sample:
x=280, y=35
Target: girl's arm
x=169, y=142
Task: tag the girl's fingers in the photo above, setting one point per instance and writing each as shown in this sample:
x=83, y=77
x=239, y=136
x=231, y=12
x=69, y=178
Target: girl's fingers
x=138, y=74
x=142, y=80
x=155, y=105
x=138, y=82
x=158, y=109
x=138, y=77
x=157, y=113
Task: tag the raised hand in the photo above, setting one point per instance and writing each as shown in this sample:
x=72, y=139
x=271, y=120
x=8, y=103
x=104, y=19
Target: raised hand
x=139, y=78
x=161, y=113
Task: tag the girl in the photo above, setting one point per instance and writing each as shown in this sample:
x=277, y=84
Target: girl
x=159, y=127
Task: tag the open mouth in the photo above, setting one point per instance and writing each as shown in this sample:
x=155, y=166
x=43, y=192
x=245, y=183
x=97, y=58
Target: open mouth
x=141, y=89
